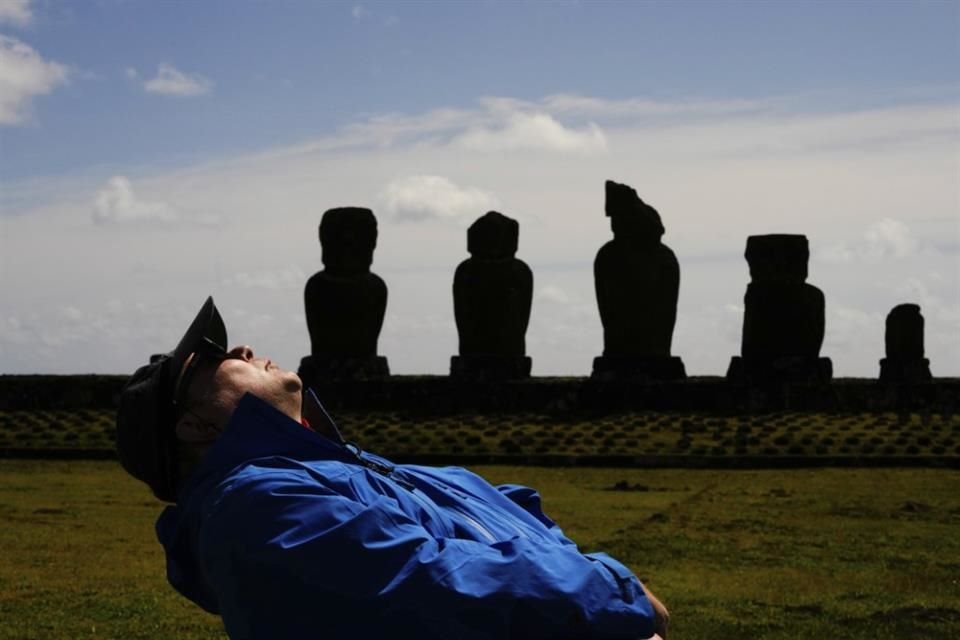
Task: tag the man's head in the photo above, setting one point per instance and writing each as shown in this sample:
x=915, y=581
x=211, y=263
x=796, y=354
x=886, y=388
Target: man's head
x=182, y=400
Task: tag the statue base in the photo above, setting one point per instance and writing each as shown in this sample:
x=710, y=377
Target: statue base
x=479, y=368
x=640, y=368
x=788, y=369
x=315, y=369
x=894, y=371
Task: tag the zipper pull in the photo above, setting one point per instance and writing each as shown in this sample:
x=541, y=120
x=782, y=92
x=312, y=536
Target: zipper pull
x=379, y=467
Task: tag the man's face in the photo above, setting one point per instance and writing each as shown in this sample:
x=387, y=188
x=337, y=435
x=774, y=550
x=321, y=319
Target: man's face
x=221, y=381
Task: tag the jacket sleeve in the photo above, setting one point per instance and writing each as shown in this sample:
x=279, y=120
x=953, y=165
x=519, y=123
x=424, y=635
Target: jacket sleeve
x=285, y=556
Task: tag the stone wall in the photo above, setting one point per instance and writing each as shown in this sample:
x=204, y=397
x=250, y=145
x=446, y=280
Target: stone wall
x=443, y=394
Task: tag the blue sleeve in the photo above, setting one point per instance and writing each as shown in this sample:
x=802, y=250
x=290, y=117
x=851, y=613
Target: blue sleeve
x=289, y=558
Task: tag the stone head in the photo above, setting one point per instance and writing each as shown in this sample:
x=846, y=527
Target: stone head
x=904, y=332
x=631, y=218
x=778, y=258
x=493, y=236
x=348, y=236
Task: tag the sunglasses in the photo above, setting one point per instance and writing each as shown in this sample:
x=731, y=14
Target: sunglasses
x=206, y=351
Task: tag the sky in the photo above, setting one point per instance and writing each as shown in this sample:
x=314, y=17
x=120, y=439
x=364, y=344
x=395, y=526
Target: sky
x=154, y=153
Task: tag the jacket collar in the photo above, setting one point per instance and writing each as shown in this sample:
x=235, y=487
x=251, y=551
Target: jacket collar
x=258, y=430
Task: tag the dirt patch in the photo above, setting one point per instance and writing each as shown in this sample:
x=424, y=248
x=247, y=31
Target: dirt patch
x=623, y=485
x=918, y=614
x=915, y=507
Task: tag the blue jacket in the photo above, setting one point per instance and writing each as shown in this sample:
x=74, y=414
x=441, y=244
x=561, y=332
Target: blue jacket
x=289, y=534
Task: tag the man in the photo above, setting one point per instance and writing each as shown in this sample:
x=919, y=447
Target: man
x=287, y=531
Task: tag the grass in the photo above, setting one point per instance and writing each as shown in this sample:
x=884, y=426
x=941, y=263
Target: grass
x=839, y=553
x=855, y=435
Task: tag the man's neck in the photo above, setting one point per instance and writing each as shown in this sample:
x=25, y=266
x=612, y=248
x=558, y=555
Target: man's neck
x=317, y=418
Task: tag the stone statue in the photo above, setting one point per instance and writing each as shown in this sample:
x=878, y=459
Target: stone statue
x=783, y=321
x=637, y=280
x=492, y=294
x=904, y=345
x=345, y=302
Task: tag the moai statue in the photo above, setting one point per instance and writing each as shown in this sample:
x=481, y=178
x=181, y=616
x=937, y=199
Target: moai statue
x=904, y=341
x=345, y=302
x=783, y=321
x=637, y=280
x=492, y=294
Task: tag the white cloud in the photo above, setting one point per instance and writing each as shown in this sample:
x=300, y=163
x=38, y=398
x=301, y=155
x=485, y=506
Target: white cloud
x=917, y=291
x=171, y=81
x=416, y=198
x=131, y=73
x=555, y=123
x=498, y=124
x=572, y=104
x=535, y=131
x=836, y=253
x=116, y=203
x=285, y=278
x=16, y=12
x=886, y=238
x=362, y=13
x=553, y=293
x=23, y=76
x=706, y=131
x=890, y=237
x=847, y=326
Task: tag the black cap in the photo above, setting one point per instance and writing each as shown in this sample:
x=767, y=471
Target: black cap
x=146, y=443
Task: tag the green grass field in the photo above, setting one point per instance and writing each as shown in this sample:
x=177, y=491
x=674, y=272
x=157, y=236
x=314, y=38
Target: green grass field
x=828, y=553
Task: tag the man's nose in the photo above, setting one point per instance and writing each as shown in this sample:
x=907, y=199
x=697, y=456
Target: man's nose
x=243, y=352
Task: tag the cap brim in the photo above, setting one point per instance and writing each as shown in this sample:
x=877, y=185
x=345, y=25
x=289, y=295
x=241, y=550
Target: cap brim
x=208, y=325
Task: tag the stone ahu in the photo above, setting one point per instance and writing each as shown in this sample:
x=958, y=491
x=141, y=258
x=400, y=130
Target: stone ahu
x=637, y=280
x=345, y=302
x=492, y=294
x=904, y=363
x=783, y=320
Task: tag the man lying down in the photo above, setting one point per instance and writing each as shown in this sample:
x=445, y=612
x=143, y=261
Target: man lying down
x=287, y=531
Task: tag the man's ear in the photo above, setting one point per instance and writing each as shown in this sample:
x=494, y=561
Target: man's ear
x=194, y=430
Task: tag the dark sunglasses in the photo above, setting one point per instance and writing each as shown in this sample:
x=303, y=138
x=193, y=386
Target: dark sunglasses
x=206, y=351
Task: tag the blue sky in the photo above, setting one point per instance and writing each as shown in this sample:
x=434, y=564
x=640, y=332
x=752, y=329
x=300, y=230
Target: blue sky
x=283, y=71
x=129, y=129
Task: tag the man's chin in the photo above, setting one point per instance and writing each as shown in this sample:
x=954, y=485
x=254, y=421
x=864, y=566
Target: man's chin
x=294, y=383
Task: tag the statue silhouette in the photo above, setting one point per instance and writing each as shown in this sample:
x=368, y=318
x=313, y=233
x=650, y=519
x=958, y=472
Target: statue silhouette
x=783, y=321
x=637, y=280
x=492, y=294
x=345, y=302
x=904, y=346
